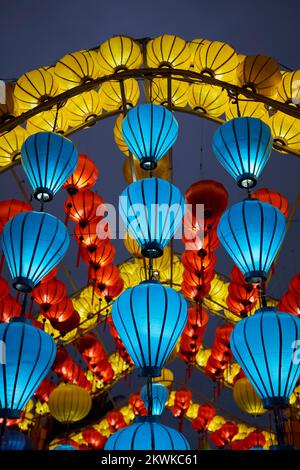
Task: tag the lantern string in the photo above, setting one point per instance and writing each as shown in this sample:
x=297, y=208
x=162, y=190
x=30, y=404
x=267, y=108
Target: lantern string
x=24, y=303
x=150, y=395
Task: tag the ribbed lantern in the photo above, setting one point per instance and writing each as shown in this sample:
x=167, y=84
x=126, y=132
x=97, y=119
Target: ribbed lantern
x=48, y=121
x=247, y=398
x=243, y=146
x=69, y=403
x=158, y=395
x=207, y=99
x=265, y=347
x=260, y=74
x=217, y=59
x=77, y=68
x=48, y=160
x=82, y=108
x=147, y=434
x=11, y=144
x=169, y=51
x=251, y=232
x=111, y=97
x=152, y=209
x=149, y=130
x=119, y=53
x=285, y=130
x=84, y=176
x=164, y=91
x=15, y=440
x=149, y=319
x=33, y=244
x=28, y=355
x=288, y=90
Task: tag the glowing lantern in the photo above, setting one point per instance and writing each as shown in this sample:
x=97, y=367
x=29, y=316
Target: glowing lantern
x=274, y=198
x=285, y=130
x=178, y=92
x=49, y=293
x=159, y=395
x=11, y=144
x=194, y=45
x=82, y=108
x=132, y=246
x=76, y=68
x=247, y=399
x=217, y=59
x=208, y=99
x=289, y=89
x=9, y=308
x=48, y=121
x=111, y=97
x=161, y=171
x=60, y=311
x=260, y=74
x=168, y=51
x=241, y=108
x=83, y=207
x=119, y=53
x=84, y=176
x=118, y=135
x=69, y=403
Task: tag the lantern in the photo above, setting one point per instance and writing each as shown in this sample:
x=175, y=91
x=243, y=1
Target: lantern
x=147, y=434
x=193, y=261
x=149, y=319
x=84, y=207
x=82, y=108
x=290, y=303
x=111, y=96
x=69, y=403
x=241, y=108
x=29, y=354
x=151, y=209
x=285, y=130
x=48, y=160
x=60, y=311
x=157, y=395
x=260, y=74
x=119, y=53
x=88, y=236
x=49, y=293
x=118, y=135
x=9, y=308
x=48, y=121
x=211, y=194
x=33, y=243
x=195, y=44
x=274, y=198
x=167, y=92
x=10, y=145
x=294, y=285
x=168, y=51
x=11, y=207
x=103, y=254
x=132, y=246
x=33, y=88
x=217, y=59
x=166, y=378
x=4, y=288
x=243, y=146
x=207, y=99
x=149, y=131
x=252, y=231
x=94, y=438
x=161, y=171
x=105, y=276
x=84, y=176
x=263, y=346
x=14, y=440
x=247, y=399
x=288, y=90
x=76, y=68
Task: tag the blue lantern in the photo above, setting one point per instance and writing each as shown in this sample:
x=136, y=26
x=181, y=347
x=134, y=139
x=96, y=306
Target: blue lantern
x=149, y=130
x=264, y=346
x=33, y=243
x=64, y=446
x=243, y=146
x=146, y=433
x=149, y=319
x=152, y=209
x=28, y=354
x=251, y=232
x=159, y=395
x=15, y=440
x=48, y=160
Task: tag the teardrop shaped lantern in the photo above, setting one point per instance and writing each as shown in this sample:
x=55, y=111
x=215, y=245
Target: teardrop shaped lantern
x=243, y=146
x=146, y=433
x=149, y=319
x=149, y=130
x=28, y=355
x=264, y=346
x=48, y=160
x=159, y=395
x=152, y=209
x=33, y=244
x=251, y=232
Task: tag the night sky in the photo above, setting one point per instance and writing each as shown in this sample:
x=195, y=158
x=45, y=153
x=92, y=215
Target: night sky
x=36, y=33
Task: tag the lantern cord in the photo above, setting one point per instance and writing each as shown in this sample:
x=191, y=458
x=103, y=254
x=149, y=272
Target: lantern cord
x=262, y=294
x=24, y=303
x=150, y=268
x=42, y=206
x=150, y=395
x=279, y=426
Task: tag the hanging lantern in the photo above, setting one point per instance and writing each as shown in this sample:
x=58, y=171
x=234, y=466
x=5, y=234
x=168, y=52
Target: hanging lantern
x=49, y=276
x=83, y=207
x=49, y=293
x=87, y=236
x=34, y=88
x=246, y=294
x=288, y=90
x=260, y=74
x=208, y=99
x=118, y=135
x=290, y=303
x=247, y=399
x=84, y=176
x=111, y=98
x=161, y=171
x=241, y=108
x=11, y=144
x=166, y=378
x=285, y=130
x=119, y=53
x=105, y=276
x=110, y=292
x=294, y=285
x=48, y=121
x=103, y=255
x=48, y=159
x=274, y=198
x=154, y=225
x=94, y=438
x=168, y=51
x=147, y=434
x=252, y=231
x=194, y=45
x=29, y=354
x=11, y=207
x=211, y=194
x=33, y=243
x=264, y=346
x=59, y=312
x=197, y=263
x=243, y=146
x=159, y=395
x=165, y=92
x=76, y=68
x=9, y=308
x=217, y=59
x=69, y=403
x=149, y=319
x=83, y=108
x=132, y=246
x=14, y=440
x=149, y=131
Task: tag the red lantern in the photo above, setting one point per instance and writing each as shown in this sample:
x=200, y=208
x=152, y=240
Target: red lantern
x=103, y=254
x=137, y=405
x=197, y=316
x=274, y=198
x=84, y=207
x=44, y=390
x=237, y=276
x=111, y=292
x=192, y=279
x=217, y=439
x=246, y=294
x=94, y=438
x=9, y=308
x=68, y=325
x=61, y=311
x=210, y=193
x=84, y=177
x=49, y=293
x=4, y=288
x=198, y=262
x=228, y=431
x=255, y=438
x=206, y=412
x=238, y=308
x=11, y=207
x=294, y=285
x=290, y=303
x=183, y=398
x=115, y=420
x=87, y=235
x=223, y=334
x=195, y=293
x=105, y=276
x=49, y=276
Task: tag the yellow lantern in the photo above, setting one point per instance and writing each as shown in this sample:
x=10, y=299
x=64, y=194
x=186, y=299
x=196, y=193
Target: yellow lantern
x=117, y=363
x=231, y=372
x=219, y=289
x=166, y=378
x=178, y=95
x=128, y=274
x=45, y=121
x=86, y=311
x=69, y=403
x=161, y=171
x=247, y=398
x=77, y=68
x=296, y=393
x=247, y=109
x=33, y=88
x=202, y=357
x=82, y=108
x=127, y=414
x=289, y=88
x=168, y=51
x=70, y=336
x=216, y=423
x=194, y=45
x=91, y=296
x=285, y=130
x=208, y=99
x=111, y=96
x=10, y=145
x=192, y=411
x=132, y=246
x=118, y=135
x=259, y=73
x=217, y=59
x=119, y=53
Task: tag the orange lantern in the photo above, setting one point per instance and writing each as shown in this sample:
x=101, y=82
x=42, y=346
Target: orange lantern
x=259, y=73
x=83, y=207
x=274, y=198
x=84, y=177
x=49, y=293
